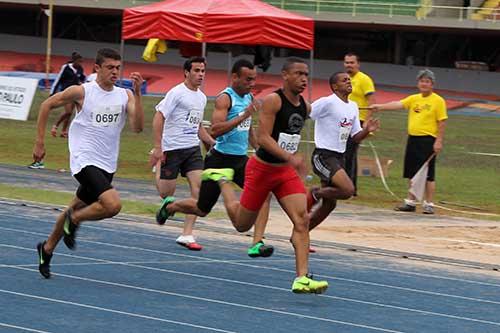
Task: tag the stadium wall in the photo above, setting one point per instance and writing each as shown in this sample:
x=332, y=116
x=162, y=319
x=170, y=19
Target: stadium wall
x=383, y=74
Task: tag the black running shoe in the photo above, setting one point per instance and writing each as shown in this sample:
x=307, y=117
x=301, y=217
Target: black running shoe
x=69, y=230
x=43, y=261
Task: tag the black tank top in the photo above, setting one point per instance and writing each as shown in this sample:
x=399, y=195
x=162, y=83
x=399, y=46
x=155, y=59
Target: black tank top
x=290, y=119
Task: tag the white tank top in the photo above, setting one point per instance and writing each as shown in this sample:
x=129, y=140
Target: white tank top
x=94, y=134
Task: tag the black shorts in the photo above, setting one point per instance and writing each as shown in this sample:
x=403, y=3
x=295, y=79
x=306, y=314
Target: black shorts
x=326, y=163
x=183, y=160
x=210, y=190
x=418, y=150
x=93, y=182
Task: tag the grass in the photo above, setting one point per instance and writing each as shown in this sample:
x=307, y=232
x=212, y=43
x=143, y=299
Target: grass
x=461, y=177
x=63, y=198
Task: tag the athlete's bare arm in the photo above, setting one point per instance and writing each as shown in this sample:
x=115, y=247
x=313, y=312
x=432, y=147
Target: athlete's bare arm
x=158, y=121
x=220, y=124
x=73, y=94
x=205, y=137
x=396, y=105
x=134, y=105
x=270, y=107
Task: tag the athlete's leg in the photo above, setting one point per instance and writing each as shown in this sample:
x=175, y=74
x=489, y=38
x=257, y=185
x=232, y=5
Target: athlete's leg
x=107, y=205
x=261, y=222
x=194, y=180
x=342, y=187
x=57, y=231
x=294, y=206
x=321, y=212
x=243, y=219
x=339, y=187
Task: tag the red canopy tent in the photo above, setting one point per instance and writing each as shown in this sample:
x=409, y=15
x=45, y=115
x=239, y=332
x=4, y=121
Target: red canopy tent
x=249, y=22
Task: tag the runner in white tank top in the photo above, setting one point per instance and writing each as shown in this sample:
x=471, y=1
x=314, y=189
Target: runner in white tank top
x=94, y=134
x=94, y=142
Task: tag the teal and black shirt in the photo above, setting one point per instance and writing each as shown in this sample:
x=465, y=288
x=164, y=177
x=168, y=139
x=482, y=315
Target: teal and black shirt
x=235, y=142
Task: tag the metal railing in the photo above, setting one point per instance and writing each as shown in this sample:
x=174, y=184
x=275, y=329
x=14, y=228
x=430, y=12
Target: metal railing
x=420, y=10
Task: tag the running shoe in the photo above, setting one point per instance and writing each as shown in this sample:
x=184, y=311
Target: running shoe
x=428, y=208
x=69, y=230
x=405, y=208
x=260, y=250
x=162, y=214
x=36, y=165
x=312, y=249
x=217, y=174
x=188, y=242
x=306, y=285
x=43, y=260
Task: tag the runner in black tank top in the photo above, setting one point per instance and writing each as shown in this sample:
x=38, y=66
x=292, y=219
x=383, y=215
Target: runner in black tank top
x=290, y=119
x=276, y=169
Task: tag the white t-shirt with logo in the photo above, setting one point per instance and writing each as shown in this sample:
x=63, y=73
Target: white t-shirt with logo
x=183, y=110
x=334, y=121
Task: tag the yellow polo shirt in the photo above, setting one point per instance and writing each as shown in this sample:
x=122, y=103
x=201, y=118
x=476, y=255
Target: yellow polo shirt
x=362, y=85
x=424, y=113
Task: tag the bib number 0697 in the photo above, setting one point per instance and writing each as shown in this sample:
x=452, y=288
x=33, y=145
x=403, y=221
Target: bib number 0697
x=104, y=118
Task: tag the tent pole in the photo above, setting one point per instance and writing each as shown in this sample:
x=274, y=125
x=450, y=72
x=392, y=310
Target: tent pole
x=49, y=43
x=204, y=50
x=204, y=55
x=122, y=55
x=229, y=56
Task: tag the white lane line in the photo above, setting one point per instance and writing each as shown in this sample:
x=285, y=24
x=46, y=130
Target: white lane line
x=287, y=290
x=131, y=314
x=252, y=266
x=180, y=262
x=464, y=241
x=211, y=300
x=139, y=264
x=425, y=275
x=23, y=328
x=261, y=268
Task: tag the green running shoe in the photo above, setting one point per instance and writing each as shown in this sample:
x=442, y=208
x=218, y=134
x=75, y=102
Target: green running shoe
x=217, y=174
x=162, y=215
x=260, y=250
x=306, y=285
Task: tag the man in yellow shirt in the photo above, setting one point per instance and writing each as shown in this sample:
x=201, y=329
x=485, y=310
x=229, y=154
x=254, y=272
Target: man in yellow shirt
x=363, y=93
x=426, y=123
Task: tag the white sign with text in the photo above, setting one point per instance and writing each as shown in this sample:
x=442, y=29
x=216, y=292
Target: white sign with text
x=16, y=96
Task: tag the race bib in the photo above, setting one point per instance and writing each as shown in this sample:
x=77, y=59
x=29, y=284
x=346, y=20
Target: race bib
x=193, y=118
x=344, y=133
x=289, y=142
x=245, y=124
x=106, y=116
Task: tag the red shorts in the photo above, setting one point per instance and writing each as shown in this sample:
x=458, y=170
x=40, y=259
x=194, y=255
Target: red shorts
x=262, y=178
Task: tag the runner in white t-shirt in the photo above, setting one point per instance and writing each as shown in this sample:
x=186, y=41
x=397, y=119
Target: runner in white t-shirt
x=177, y=132
x=336, y=119
x=94, y=142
